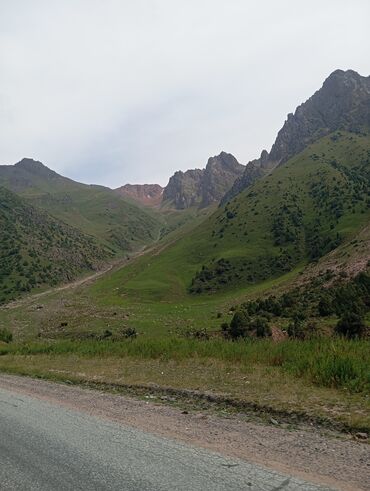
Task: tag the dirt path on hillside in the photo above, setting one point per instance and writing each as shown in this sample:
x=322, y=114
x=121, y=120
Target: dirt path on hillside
x=341, y=463
x=118, y=264
x=76, y=283
x=67, y=286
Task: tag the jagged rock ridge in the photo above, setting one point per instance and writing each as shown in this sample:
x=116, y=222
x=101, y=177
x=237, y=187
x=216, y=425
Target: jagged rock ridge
x=202, y=187
x=343, y=102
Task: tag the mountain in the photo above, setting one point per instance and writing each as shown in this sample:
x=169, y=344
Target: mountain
x=342, y=103
x=145, y=194
x=316, y=204
x=37, y=250
x=202, y=187
x=94, y=210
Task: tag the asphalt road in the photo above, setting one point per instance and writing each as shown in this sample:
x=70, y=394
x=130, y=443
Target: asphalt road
x=45, y=446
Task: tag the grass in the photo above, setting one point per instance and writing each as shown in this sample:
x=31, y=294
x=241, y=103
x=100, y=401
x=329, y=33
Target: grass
x=334, y=363
x=278, y=377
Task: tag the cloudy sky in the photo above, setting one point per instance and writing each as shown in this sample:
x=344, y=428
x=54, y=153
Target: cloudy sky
x=116, y=91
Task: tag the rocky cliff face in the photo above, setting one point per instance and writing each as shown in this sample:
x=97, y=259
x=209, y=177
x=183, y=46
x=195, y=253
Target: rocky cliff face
x=343, y=102
x=184, y=189
x=202, y=187
x=145, y=194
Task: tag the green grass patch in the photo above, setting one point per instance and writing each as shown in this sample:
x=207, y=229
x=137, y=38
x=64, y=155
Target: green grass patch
x=336, y=363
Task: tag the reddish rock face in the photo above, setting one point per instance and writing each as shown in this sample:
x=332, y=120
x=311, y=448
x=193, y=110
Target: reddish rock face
x=145, y=194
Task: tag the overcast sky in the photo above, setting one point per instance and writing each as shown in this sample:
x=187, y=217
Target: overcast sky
x=117, y=91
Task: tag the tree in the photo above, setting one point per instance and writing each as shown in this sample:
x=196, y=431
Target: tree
x=239, y=325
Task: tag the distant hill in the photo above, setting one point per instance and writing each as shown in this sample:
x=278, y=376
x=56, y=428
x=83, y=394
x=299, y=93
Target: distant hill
x=94, y=210
x=37, y=250
x=203, y=187
x=145, y=194
x=342, y=103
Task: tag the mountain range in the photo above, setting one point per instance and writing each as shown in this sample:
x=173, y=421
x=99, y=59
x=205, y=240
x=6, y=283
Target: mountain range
x=193, y=188
x=305, y=203
x=302, y=203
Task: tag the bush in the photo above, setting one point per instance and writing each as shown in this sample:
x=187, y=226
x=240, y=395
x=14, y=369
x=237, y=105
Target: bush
x=5, y=335
x=263, y=329
x=239, y=325
x=351, y=325
x=242, y=326
x=128, y=332
x=325, y=307
x=296, y=329
x=197, y=333
x=105, y=335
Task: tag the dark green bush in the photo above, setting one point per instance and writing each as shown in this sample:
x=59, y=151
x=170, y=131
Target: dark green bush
x=351, y=325
x=239, y=325
x=128, y=332
x=5, y=335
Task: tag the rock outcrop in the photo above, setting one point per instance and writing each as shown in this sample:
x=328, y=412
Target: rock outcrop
x=343, y=102
x=202, y=187
x=145, y=194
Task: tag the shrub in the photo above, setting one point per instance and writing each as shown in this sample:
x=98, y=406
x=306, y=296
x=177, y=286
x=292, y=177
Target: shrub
x=5, y=335
x=197, y=333
x=242, y=326
x=325, y=306
x=296, y=329
x=105, y=335
x=263, y=329
x=239, y=325
x=129, y=332
x=351, y=325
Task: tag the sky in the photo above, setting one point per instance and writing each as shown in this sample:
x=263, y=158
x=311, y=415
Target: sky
x=129, y=91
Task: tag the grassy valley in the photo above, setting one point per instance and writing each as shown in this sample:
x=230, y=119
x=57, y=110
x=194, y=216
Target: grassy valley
x=262, y=303
x=318, y=201
x=142, y=325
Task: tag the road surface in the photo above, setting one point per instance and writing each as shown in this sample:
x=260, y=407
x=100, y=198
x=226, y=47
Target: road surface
x=45, y=446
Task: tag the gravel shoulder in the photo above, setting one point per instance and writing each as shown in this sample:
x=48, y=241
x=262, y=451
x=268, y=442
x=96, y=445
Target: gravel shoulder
x=304, y=452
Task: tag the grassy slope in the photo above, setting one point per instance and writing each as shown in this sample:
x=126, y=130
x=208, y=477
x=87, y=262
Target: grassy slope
x=247, y=239
x=95, y=210
x=37, y=250
x=153, y=289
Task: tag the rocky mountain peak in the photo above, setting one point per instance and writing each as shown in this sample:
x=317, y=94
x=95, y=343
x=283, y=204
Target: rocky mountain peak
x=343, y=102
x=202, y=187
x=224, y=161
x=35, y=167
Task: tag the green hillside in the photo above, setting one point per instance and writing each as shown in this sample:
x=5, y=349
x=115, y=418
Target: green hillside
x=95, y=210
x=37, y=250
x=303, y=210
